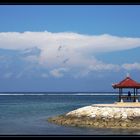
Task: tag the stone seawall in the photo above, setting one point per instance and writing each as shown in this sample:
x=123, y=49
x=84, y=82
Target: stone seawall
x=101, y=116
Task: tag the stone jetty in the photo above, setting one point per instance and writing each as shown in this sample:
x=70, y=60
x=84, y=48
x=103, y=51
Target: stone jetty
x=117, y=115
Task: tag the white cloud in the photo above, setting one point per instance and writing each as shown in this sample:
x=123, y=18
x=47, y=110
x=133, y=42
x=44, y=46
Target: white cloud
x=98, y=66
x=102, y=66
x=58, y=72
x=56, y=51
x=95, y=43
x=133, y=66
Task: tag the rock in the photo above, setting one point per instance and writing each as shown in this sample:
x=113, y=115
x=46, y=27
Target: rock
x=96, y=123
x=96, y=116
x=124, y=115
x=117, y=115
x=92, y=115
x=123, y=124
x=105, y=114
x=136, y=114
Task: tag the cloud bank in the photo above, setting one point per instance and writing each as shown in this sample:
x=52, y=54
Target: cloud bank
x=60, y=52
x=95, y=43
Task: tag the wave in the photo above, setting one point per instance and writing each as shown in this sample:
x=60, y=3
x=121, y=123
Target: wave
x=19, y=94
x=73, y=94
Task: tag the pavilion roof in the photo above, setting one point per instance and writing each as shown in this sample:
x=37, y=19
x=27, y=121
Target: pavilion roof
x=127, y=83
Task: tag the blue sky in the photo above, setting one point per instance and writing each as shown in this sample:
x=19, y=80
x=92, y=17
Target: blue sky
x=68, y=47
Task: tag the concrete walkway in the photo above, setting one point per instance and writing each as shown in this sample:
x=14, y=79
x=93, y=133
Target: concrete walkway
x=120, y=104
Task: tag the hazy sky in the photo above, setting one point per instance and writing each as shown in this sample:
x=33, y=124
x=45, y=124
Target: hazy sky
x=68, y=47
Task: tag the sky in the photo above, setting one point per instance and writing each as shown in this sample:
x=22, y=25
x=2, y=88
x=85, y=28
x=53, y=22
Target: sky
x=74, y=48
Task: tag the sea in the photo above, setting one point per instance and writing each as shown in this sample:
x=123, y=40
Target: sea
x=27, y=113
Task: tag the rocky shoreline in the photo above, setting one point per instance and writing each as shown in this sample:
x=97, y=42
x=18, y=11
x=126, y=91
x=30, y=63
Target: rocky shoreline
x=101, y=117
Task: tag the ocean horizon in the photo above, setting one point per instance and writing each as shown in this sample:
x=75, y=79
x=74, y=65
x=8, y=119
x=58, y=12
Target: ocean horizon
x=61, y=93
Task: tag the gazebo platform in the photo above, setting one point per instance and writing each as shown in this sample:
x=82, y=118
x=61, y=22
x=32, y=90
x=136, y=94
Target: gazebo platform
x=120, y=104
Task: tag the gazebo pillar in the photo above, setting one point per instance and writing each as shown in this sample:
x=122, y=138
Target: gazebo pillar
x=137, y=100
x=134, y=96
x=137, y=95
x=119, y=94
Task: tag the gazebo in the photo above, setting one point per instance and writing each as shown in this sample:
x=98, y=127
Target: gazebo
x=127, y=83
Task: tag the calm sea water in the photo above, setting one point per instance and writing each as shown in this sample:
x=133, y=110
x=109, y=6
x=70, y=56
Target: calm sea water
x=27, y=114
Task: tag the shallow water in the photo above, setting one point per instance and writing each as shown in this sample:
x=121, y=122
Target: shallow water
x=27, y=114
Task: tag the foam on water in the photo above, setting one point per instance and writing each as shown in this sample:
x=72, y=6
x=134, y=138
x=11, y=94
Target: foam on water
x=52, y=94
